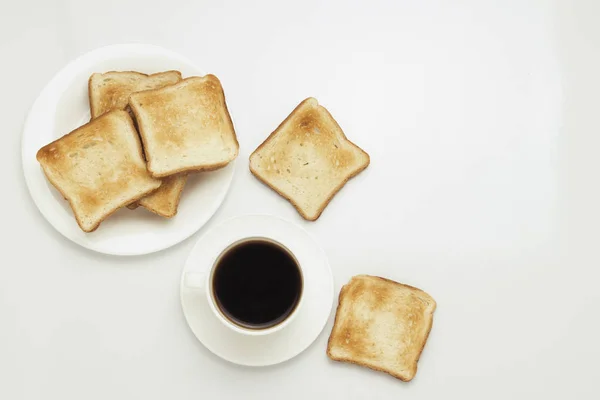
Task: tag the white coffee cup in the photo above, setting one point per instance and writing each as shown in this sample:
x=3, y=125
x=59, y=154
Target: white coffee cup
x=204, y=281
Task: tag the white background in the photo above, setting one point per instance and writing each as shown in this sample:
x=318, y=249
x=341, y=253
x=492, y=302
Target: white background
x=482, y=121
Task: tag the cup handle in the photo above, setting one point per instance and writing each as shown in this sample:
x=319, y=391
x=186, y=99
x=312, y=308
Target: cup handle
x=194, y=280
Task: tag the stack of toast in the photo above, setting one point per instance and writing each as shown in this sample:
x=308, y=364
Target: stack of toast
x=146, y=134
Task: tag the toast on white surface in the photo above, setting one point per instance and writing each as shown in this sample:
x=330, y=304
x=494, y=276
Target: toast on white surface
x=382, y=325
x=308, y=159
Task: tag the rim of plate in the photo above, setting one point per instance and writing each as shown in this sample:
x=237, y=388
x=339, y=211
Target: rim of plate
x=40, y=199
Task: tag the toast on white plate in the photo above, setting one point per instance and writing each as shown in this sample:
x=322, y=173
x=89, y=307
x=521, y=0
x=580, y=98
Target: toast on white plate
x=382, y=325
x=111, y=90
x=98, y=168
x=185, y=127
x=308, y=159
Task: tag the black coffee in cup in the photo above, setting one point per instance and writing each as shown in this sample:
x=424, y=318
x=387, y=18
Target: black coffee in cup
x=257, y=283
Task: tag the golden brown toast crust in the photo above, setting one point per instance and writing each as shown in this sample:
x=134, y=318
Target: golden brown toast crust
x=265, y=179
x=218, y=95
x=55, y=158
x=165, y=200
x=340, y=333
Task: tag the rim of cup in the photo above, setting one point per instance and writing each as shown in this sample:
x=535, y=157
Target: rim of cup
x=208, y=285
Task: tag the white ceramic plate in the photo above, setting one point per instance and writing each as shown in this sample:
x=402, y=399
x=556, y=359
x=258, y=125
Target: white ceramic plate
x=281, y=345
x=62, y=106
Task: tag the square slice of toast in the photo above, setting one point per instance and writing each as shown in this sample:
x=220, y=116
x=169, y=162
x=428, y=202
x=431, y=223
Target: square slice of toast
x=98, y=168
x=111, y=90
x=185, y=127
x=308, y=159
x=382, y=325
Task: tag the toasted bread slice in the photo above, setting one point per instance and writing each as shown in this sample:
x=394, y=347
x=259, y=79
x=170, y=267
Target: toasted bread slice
x=185, y=127
x=308, y=159
x=165, y=200
x=111, y=90
x=98, y=168
x=382, y=325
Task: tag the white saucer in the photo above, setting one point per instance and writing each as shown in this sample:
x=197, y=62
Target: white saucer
x=279, y=346
x=62, y=106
